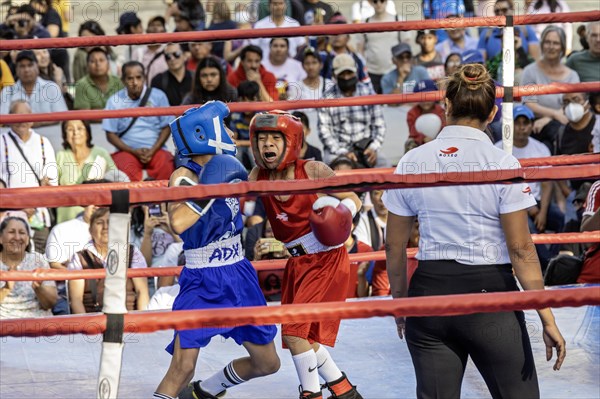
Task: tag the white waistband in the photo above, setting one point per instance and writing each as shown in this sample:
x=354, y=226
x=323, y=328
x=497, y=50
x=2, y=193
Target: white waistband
x=218, y=253
x=307, y=244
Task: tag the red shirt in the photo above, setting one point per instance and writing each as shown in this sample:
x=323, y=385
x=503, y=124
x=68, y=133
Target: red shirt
x=237, y=76
x=289, y=219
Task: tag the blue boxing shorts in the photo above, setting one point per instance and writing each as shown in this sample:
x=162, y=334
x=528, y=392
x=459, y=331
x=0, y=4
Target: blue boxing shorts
x=229, y=286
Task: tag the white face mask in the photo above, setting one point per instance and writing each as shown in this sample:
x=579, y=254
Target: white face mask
x=574, y=112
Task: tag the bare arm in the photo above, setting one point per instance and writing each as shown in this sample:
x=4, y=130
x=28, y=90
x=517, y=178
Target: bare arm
x=542, y=111
x=58, y=265
x=46, y=294
x=76, y=288
x=318, y=170
x=181, y=216
x=398, y=229
x=140, y=285
x=529, y=273
x=591, y=223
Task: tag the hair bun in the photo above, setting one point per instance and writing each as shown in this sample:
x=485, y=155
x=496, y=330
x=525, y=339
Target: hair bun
x=474, y=76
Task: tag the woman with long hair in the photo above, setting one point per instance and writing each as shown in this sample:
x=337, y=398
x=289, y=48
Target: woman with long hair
x=210, y=84
x=475, y=240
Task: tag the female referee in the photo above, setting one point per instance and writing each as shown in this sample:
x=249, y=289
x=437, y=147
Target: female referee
x=471, y=239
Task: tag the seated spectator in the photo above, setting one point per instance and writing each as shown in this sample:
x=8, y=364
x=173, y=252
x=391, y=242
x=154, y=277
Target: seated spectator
x=376, y=46
x=405, y=76
x=313, y=86
x=140, y=141
x=545, y=215
x=130, y=24
x=43, y=96
x=361, y=10
x=80, y=59
x=23, y=23
x=453, y=61
x=86, y=296
x=277, y=19
x=177, y=80
x=248, y=91
x=189, y=15
x=28, y=161
x=551, y=7
x=287, y=70
x=98, y=85
x=64, y=240
x=151, y=55
x=457, y=42
x=49, y=70
x=50, y=19
x=522, y=58
x=22, y=299
x=293, y=9
x=260, y=244
x=428, y=107
x=80, y=161
x=308, y=152
x=197, y=52
x=438, y=9
x=587, y=62
x=339, y=44
x=250, y=68
x=429, y=58
x=342, y=163
x=590, y=271
x=209, y=84
x=490, y=39
x=355, y=131
x=151, y=232
x=548, y=69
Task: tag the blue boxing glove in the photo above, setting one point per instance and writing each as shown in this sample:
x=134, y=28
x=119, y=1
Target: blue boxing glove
x=223, y=169
x=220, y=169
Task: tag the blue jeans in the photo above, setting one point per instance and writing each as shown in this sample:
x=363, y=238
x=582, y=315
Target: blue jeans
x=555, y=221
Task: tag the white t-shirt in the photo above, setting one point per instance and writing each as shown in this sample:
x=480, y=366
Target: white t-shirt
x=289, y=74
x=533, y=149
x=459, y=223
x=264, y=42
x=66, y=239
x=309, y=93
x=378, y=47
x=361, y=10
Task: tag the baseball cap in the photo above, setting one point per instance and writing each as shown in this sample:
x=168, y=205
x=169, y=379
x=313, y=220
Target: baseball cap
x=425, y=85
x=343, y=62
x=523, y=110
x=127, y=19
x=472, y=57
x=401, y=48
x=26, y=55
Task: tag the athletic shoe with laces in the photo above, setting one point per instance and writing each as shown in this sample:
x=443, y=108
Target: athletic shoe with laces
x=198, y=393
x=342, y=389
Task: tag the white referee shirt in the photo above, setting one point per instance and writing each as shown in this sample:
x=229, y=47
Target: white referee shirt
x=459, y=223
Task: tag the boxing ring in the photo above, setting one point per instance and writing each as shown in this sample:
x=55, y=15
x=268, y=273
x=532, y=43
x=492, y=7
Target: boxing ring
x=59, y=356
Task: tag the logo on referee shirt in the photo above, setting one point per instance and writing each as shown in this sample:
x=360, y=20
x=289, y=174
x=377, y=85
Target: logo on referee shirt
x=449, y=152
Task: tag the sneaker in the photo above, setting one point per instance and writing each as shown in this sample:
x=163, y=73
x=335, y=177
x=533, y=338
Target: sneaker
x=309, y=395
x=199, y=393
x=342, y=389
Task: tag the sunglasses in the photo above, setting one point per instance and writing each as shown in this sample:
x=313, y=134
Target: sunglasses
x=378, y=1
x=501, y=11
x=170, y=56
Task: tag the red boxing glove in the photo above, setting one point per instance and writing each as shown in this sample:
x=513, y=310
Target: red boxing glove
x=331, y=221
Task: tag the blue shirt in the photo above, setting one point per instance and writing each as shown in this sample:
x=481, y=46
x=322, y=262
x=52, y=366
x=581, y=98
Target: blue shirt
x=492, y=43
x=46, y=97
x=417, y=74
x=146, y=129
x=223, y=220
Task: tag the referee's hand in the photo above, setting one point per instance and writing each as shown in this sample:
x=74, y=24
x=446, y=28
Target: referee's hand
x=554, y=339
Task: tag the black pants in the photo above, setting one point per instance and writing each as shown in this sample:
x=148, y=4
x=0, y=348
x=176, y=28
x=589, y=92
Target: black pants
x=497, y=343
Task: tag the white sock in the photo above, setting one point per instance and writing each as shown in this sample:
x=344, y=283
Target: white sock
x=161, y=396
x=306, y=367
x=221, y=380
x=328, y=370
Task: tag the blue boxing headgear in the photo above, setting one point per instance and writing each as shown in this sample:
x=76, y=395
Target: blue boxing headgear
x=200, y=131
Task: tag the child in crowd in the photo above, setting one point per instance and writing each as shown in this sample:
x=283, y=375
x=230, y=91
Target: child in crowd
x=248, y=91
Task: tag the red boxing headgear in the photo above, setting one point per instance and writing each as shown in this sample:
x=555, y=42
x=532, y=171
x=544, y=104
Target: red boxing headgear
x=278, y=122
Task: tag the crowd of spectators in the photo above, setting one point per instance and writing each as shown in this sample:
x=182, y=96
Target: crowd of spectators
x=266, y=69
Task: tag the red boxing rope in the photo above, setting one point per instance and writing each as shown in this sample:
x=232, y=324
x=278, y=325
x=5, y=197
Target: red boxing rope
x=451, y=305
x=20, y=198
x=279, y=264
x=315, y=30
x=378, y=99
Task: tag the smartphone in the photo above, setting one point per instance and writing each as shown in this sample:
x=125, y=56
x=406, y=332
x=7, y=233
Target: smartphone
x=274, y=244
x=155, y=210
